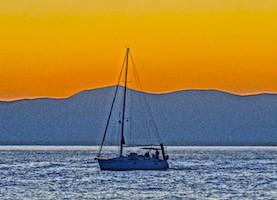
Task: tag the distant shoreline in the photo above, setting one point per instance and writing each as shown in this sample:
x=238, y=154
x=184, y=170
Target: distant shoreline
x=114, y=146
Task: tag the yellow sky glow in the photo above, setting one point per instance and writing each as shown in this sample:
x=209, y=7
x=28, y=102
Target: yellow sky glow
x=57, y=48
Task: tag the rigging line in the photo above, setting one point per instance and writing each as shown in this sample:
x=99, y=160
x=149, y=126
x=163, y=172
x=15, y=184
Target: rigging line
x=124, y=102
x=147, y=124
x=110, y=114
x=148, y=107
x=143, y=111
x=131, y=107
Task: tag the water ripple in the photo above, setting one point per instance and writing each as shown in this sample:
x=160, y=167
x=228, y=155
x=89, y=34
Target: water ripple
x=195, y=173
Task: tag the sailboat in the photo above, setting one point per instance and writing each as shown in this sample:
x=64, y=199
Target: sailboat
x=148, y=157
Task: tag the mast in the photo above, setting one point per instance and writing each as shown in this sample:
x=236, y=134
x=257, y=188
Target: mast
x=110, y=114
x=124, y=101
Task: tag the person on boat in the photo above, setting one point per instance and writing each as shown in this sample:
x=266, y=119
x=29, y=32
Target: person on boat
x=147, y=154
x=157, y=154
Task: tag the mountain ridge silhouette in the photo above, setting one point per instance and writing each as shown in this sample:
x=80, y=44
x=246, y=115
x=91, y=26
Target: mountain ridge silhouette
x=187, y=117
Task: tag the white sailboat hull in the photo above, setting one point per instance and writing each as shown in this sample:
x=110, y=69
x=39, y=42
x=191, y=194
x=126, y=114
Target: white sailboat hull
x=133, y=161
x=125, y=163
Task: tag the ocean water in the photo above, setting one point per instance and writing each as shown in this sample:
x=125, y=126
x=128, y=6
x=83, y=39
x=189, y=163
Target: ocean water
x=37, y=172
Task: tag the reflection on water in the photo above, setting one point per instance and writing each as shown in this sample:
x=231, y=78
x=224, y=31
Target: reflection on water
x=195, y=173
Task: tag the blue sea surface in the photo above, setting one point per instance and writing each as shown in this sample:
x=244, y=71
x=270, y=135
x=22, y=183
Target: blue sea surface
x=65, y=172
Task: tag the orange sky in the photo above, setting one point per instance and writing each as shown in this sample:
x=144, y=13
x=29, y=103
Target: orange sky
x=57, y=48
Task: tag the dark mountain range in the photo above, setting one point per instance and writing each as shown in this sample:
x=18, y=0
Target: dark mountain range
x=189, y=117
